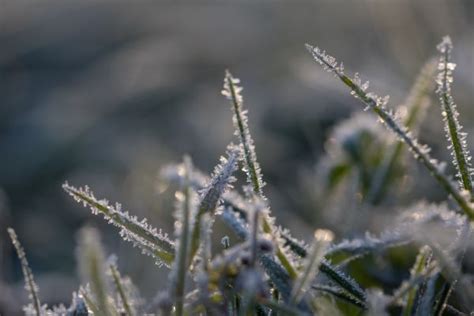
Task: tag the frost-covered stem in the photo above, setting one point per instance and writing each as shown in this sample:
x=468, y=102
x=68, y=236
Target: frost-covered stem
x=422, y=260
x=453, y=128
x=133, y=229
x=416, y=102
x=374, y=103
x=181, y=261
x=120, y=290
x=322, y=239
x=232, y=92
x=30, y=284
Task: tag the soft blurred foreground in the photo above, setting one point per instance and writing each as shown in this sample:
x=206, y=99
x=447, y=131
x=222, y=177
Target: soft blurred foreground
x=107, y=93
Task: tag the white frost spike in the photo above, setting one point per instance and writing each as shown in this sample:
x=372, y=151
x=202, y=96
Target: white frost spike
x=140, y=233
x=453, y=129
x=252, y=168
x=322, y=239
x=30, y=284
x=328, y=62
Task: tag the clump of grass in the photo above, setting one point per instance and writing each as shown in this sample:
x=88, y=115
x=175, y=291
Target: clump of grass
x=266, y=271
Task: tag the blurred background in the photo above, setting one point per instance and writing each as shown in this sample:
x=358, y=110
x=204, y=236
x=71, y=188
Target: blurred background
x=106, y=93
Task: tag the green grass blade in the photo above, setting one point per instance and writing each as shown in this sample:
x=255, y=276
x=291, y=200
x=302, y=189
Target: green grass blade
x=119, y=286
x=453, y=128
x=322, y=239
x=185, y=210
x=140, y=233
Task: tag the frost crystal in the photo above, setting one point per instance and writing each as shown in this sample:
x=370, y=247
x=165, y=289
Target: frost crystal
x=328, y=62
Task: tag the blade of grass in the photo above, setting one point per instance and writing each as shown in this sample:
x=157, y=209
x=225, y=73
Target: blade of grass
x=254, y=177
x=30, y=284
x=138, y=232
x=456, y=138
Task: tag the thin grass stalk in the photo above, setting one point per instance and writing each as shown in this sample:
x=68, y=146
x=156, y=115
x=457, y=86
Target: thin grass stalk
x=252, y=168
x=138, y=232
x=456, y=138
x=254, y=227
x=182, y=255
x=377, y=105
x=322, y=239
x=30, y=283
x=422, y=260
x=232, y=91
x=90, y=303
x=120, y=290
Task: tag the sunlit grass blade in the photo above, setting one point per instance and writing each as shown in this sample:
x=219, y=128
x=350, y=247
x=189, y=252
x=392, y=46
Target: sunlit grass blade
x=377, y=105
x=232, y=91
x=30, y=284
x=140, y=233
x=185, y=210
x=252, y=168
x=454, y=134
x=322, y=239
